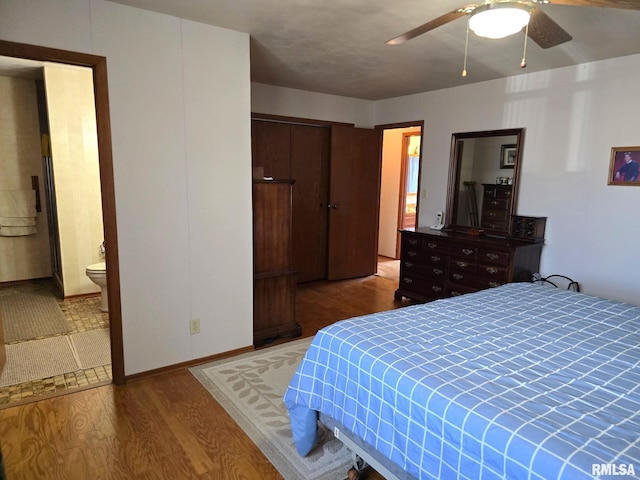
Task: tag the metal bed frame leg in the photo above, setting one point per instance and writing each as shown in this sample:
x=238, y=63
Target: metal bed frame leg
x=358, y=466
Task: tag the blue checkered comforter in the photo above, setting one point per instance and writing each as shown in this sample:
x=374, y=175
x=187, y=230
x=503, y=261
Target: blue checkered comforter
x=520, y=382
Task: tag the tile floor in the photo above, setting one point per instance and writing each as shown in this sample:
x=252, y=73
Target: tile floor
x=83, y=314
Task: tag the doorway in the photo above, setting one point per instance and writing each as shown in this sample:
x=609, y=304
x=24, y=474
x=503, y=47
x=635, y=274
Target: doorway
x=99, y=71
x=400, y=184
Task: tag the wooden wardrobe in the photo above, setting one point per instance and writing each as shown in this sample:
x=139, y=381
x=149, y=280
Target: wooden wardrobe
x=336, y=191
x=274, y=278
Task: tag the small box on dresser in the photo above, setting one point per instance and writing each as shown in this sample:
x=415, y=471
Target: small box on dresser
x=529, y=229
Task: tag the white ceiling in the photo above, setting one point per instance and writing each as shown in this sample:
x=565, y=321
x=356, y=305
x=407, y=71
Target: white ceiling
x=338, y=46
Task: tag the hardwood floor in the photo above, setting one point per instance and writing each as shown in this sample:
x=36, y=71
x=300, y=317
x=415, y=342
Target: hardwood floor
x=166, y=426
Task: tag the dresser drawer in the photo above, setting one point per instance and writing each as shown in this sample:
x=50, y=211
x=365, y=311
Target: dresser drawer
x=435, y=245
x=494, y=203
x=488, y=255
x=431, y=287
x=412, y=242
x=497, y=191
x=462, y=264
x=455, y=290
x=493, y=272
x=464, y=252
x=476, y=280
x=407, y=267
x=494, y=223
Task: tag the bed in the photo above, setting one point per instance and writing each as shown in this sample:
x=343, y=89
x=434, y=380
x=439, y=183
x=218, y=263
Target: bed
x=521, y=381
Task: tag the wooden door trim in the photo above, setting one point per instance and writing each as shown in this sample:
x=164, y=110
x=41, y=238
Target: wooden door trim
x=297, y=121
x=98, y=65
x=402, y=191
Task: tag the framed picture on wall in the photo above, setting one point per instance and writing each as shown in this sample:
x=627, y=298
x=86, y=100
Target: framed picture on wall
x=624, y=166
x=507, y=156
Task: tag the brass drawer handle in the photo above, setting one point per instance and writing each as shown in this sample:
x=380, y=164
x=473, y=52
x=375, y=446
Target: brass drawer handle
x=492, y=270
x=494, y=284
x=407, y=280
x=408, y=264
x=458, y=276
x=462, y=264
x=435, y=258
x=438, y=271
x=413, y=241
x=432, y=245
x=467, y=251
x=492, y=256
x=436, y=288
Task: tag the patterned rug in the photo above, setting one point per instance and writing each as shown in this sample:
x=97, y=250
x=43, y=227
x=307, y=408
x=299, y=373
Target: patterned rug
x=29, y=315
x=250, y=388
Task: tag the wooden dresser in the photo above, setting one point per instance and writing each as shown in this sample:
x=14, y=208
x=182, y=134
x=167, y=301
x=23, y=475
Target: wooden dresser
x=496, y=201
x=437, y=264
x=274, y=279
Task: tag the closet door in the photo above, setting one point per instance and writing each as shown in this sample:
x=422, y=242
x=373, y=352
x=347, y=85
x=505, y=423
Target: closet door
x=354, y=197
x=310, y=171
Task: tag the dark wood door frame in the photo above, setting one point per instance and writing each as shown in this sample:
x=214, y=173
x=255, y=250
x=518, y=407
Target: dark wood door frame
x=419, y=124
x=98, y=65
x=402, y=191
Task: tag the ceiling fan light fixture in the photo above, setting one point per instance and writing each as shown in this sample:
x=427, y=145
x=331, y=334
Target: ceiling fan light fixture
x=498, y=20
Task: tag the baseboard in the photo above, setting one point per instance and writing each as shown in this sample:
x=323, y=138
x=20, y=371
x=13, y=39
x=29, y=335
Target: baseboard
x=191, y=363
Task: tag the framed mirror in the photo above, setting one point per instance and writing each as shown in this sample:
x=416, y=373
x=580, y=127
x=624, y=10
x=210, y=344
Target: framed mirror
x=483, y=180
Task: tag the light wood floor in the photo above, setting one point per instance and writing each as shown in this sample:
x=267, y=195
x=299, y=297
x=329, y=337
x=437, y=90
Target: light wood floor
x=166, y=426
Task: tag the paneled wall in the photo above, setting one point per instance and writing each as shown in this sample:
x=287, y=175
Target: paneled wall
x=74, y=154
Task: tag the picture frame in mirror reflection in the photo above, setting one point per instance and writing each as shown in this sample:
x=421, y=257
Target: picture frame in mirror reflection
x=624, y=166
x=508, y=156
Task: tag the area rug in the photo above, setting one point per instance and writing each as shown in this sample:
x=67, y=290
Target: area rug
x=37, y=359
x=92, y=348
x=250, y=388
x=28, y=315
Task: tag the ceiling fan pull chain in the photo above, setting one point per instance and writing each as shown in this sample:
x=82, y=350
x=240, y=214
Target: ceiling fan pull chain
x=523, y=63
x=466, y=46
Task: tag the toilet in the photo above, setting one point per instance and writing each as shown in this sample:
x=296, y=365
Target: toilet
x=98, y=275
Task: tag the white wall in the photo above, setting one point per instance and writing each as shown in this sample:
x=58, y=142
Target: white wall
x=572, y=116
x=290, y=102
x=179, y=97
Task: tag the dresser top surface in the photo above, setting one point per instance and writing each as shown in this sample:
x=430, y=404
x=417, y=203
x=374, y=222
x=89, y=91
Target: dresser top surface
x=466, y=237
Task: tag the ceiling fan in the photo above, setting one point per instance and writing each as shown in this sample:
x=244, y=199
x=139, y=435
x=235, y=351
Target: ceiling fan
x=540, y=27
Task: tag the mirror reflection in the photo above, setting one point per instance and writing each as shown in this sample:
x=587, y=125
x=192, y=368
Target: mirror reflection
x=483, y=180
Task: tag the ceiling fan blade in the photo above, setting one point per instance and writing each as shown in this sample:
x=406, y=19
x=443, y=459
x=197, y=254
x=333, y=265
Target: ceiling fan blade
x=544, y=31
x=435, y=23
x=628, y=4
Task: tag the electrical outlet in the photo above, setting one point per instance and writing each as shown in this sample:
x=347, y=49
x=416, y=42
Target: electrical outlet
x=194, y=326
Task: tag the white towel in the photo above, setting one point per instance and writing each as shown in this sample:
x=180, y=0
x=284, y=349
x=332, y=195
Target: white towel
x=17, y=231
x=17, y=221
x=18, y=203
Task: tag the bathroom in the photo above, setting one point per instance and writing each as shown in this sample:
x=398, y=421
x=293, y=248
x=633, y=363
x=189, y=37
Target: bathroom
x=49, y=154
x=69, y=231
